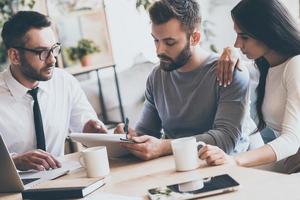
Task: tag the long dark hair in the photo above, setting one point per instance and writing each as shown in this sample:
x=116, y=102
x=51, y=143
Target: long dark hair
x=267, y=21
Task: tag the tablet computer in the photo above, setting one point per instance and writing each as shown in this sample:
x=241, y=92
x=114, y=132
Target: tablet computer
x=111, y=141
x=195, y=189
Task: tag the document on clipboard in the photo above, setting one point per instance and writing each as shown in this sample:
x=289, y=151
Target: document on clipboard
x=111, y=141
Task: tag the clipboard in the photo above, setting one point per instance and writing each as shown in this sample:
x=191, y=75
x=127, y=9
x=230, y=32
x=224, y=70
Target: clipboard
x=111, y=141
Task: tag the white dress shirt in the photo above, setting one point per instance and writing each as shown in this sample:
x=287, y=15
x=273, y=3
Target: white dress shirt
x=63, y=106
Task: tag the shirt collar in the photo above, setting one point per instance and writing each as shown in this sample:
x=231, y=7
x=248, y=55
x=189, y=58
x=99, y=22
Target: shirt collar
x=43, y=86
x=17, y=89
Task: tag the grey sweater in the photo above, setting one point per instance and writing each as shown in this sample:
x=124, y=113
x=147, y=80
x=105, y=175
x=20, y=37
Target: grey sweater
x=185, y=104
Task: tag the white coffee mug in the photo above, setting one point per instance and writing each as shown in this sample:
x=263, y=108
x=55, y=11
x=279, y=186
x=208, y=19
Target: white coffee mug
x=185, y=151
x=95, y=161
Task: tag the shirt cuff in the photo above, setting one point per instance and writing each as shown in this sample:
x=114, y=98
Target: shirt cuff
x=284, y=147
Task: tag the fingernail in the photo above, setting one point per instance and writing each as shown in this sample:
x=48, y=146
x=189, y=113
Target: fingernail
x=220, y=84
x=225, y=85
x=228, y=83
x=217, y=79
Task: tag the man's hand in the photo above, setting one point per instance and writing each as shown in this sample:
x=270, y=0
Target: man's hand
x=215, y=156
x=36, y=159
x=229, y=60
x=94, y=126
x=147, y=147
x=119, y=128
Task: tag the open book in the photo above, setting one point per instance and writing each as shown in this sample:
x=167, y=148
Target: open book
x=63, y=188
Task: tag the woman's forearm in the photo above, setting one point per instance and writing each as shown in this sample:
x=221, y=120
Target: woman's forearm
x=259, y=156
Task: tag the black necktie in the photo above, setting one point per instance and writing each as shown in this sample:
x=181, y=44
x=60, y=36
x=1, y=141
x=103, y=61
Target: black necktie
x=38, y=122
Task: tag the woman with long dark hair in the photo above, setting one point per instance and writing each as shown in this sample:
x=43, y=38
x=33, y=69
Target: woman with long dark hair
x=267, y=34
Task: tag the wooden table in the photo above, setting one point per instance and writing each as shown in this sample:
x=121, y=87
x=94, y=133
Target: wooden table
x=132, y=177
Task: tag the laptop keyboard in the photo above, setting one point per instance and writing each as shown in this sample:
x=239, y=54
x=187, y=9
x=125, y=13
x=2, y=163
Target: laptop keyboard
x=53, y=173
x=28, y=180
x=44, y=175
x=50, y=174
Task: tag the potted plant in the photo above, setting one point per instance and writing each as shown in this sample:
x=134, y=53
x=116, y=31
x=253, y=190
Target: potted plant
x=82, y=51
x=145, y=3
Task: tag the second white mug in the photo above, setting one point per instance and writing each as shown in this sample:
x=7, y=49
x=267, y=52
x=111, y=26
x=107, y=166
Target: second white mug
x=185, y=151
x=95, y=161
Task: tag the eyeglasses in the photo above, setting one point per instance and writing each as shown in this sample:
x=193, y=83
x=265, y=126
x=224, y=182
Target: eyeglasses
x=44, y=53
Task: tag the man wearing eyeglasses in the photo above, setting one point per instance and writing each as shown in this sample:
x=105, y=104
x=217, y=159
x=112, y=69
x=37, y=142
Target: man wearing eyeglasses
x=39, y=103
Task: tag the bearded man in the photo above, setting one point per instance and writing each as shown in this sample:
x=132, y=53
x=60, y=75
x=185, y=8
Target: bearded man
x=182, y=95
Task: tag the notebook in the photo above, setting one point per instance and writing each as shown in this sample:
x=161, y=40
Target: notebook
x=64, y=188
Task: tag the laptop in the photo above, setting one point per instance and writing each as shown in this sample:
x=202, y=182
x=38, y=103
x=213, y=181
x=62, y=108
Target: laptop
x=10, y=178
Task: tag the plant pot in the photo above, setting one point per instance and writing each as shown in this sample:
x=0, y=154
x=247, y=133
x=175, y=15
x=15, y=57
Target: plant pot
x=86, y=61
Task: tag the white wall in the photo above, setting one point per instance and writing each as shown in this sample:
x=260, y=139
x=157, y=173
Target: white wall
x=218, y=11
x=130, y=33
x=293, y=6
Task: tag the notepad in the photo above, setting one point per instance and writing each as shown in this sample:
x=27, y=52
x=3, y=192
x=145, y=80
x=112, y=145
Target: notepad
x=64, y=188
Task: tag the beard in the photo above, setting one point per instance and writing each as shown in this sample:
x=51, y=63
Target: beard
x=29, y=71
x=168, y=64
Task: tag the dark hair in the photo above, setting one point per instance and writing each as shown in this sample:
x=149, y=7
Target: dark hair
x=186, y=11
x=18, y=25
x=267, y=21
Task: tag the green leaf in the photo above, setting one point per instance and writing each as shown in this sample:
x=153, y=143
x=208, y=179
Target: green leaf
x=84, y=47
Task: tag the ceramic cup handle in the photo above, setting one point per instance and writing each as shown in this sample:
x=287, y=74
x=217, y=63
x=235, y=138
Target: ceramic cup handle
x=200, y=144
x=81, y=161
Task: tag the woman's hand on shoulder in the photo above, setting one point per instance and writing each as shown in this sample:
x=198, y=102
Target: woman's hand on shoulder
x=229, y=60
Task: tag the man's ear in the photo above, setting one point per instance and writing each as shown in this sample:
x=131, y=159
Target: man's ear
x=195, y=38
x=14, y=56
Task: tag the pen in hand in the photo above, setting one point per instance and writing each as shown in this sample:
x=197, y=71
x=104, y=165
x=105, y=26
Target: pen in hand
x=126, y=127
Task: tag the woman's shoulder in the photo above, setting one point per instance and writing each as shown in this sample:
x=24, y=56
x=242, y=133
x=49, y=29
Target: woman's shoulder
x=295, y=60
x=293, y=64
x=292, y=69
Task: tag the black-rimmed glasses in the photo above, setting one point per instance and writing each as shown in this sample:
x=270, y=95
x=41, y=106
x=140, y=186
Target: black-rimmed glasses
x=44, y=53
